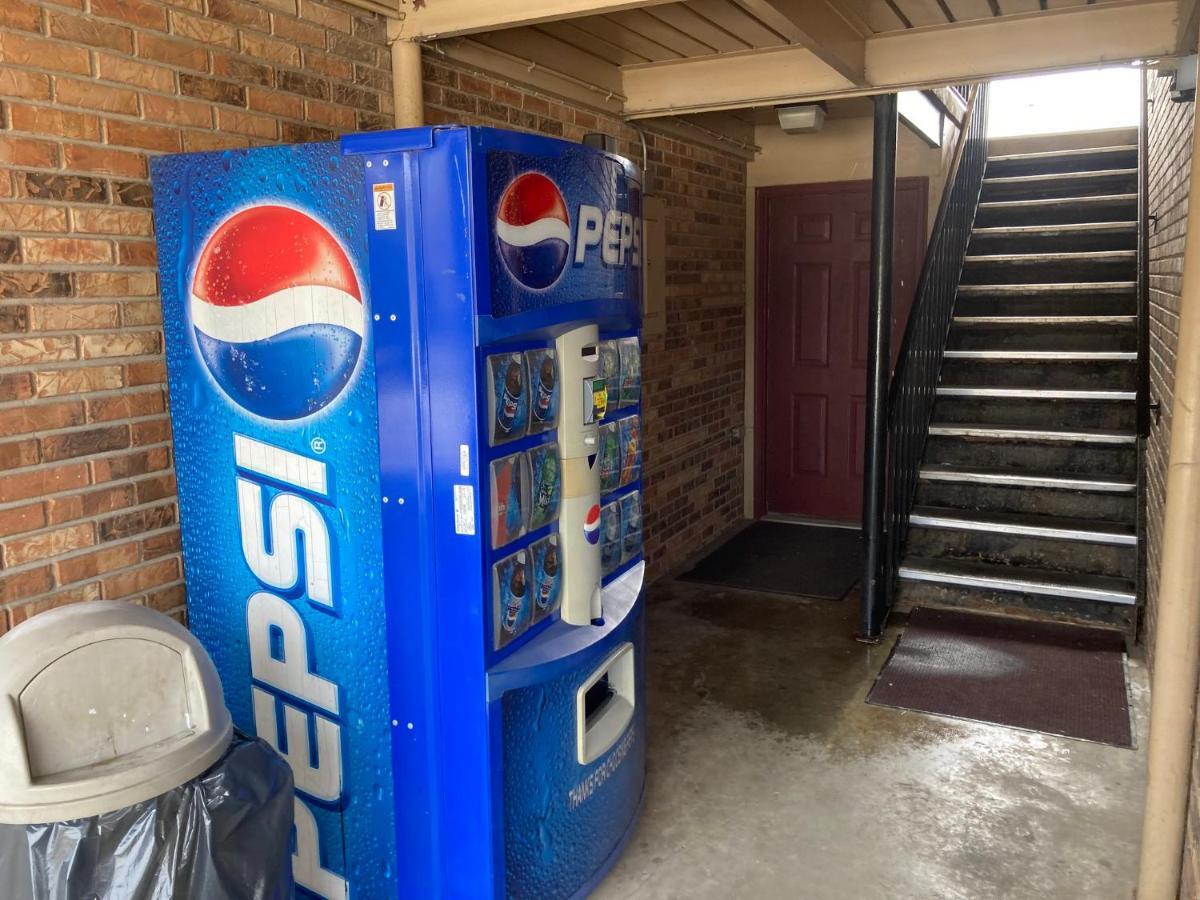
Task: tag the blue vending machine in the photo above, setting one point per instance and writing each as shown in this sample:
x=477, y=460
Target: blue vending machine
x=405, y=390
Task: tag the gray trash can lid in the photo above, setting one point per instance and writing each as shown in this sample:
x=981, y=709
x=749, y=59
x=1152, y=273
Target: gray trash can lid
x=103, y=705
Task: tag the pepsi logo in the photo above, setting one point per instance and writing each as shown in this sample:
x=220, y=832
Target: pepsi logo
x=277, y=311
x=591, y=524
x=533, y=230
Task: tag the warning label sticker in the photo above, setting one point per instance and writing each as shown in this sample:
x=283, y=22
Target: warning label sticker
x=464, y=509
x=385, y=206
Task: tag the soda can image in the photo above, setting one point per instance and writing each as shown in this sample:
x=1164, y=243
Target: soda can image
x=547, y=577
x=510, y=588
x=631, y=526
x=509, y=499
x=631, y=372
x=509, y=397
x=630, y=429
x=609, y=457
x=542, y=366
x=610, y=536
x=610, y=371
x=545, y=485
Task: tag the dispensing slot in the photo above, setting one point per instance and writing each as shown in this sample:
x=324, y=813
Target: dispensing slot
x=604, y=705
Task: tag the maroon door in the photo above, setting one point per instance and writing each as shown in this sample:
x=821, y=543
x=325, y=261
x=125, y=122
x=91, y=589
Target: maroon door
x=814, y=252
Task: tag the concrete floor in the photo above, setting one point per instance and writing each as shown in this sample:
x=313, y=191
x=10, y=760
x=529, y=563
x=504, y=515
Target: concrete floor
x=769, y=777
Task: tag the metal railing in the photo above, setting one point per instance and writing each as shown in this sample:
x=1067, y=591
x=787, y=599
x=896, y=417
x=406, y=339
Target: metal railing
x=914, y=383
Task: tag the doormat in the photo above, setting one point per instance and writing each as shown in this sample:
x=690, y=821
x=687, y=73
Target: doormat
x=1060, y=679
x=783, y=558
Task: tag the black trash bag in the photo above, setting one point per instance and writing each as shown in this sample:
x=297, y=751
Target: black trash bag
x=226, y=835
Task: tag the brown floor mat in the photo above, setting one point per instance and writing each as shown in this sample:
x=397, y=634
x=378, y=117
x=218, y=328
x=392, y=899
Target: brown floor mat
x=1049, y=677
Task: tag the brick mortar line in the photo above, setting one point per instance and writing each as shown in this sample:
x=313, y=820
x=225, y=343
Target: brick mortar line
x=90, y=486
x=174, y=554
x=91, y=548
x=75, y=429
x=70, y=365
x=91, y=395
x=92, y=51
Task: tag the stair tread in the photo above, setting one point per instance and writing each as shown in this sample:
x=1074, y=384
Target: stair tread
x=1034, y=435
x=1069, y=228
x=1034, y=393
x=1041, y=177
x=1029, y=521
x=1064, y=287
x=1060, y=201
x=1050, y=154
x=1043, y=581
x=1079, y=481
x=1043, y=356
x=1066, y=256
x=1045, y=320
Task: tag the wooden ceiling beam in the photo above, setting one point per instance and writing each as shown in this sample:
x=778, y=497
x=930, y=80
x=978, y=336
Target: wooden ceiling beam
x=817, y=26
x=931, y=56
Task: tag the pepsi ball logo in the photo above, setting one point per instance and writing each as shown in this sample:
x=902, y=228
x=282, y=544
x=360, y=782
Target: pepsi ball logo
x=591, y=525
x=277, y=312
x=533, y=230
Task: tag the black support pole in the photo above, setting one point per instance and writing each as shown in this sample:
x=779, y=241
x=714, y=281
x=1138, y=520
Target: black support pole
x=879, y=357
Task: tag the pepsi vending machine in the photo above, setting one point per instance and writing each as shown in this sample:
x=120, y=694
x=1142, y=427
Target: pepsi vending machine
x=405, y=390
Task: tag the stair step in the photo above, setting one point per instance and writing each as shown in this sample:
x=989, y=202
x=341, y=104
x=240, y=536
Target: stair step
x=1081, y=200
x=1048, y=304
x=1056, y=230
x=1057, y=528
x=997, y=449
x=968, y=321
x=1070, y=287
x=1023, y=580
x=1036, y=412
x=1035, y=435
x=1045, y=355
x=1112, y=206
x=1070, y=256
x=1037, y=186
x=1063, y=154
x=1033, y=393
x=1047, y=373
x=1047, y=177
x=1049, y=480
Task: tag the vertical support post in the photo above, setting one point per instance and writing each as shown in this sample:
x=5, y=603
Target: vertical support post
x=879, y=364
x=408, y=89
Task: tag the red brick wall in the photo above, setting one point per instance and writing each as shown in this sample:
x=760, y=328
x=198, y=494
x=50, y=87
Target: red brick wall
x=1169, y=159
x=693, y=368
x=88, y=90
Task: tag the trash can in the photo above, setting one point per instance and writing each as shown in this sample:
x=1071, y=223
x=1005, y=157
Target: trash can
x=121, y=776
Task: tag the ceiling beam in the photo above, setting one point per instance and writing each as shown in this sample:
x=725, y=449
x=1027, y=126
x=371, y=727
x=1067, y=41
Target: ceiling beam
x=931, y=56
x=1040, y=41
x=727, y=81
x=1189, y=23
x=816, y=26
x=452, y=18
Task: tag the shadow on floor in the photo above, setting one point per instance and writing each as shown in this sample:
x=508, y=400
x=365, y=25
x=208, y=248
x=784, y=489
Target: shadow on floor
x=769, y=776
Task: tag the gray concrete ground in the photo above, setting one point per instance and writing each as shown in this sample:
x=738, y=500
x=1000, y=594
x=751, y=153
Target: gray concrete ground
x=770, y=777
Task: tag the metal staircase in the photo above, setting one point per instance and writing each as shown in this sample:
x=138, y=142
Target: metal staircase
x=1026, y=498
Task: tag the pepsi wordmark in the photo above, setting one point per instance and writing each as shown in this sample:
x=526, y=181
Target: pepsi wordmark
x=534, y=232
x=283, y=351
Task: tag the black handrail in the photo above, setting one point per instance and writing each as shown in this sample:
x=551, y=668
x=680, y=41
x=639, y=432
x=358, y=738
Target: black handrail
x=914, y=383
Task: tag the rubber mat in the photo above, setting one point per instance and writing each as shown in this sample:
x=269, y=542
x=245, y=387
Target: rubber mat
x=782, y=558
x=1038, y=676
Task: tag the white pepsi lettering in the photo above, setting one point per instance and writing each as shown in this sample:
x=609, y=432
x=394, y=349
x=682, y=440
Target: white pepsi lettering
x=290, y=516
x=635, y=258
x=291, y=674
x=320, y=778
x=610, y=243
x=278, y=637
x=306, y=860
x=626, y=236
x=587, y=233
